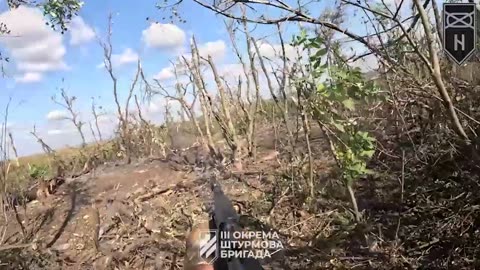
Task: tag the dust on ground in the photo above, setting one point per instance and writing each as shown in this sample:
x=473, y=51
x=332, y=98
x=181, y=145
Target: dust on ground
x=146, y=208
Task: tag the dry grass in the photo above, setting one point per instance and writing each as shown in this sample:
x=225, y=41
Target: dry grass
x=72, y=158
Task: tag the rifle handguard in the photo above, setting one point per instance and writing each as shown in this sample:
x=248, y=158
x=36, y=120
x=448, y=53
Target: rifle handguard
x=225, y=218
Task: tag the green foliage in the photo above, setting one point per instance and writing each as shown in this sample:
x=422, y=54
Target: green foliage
x=60, y=12
x=336, y=94
x=38, y=171
x=356, y=149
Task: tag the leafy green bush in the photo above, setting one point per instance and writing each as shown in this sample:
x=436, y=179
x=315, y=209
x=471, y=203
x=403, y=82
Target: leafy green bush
x=38, y=171
x=335, y=94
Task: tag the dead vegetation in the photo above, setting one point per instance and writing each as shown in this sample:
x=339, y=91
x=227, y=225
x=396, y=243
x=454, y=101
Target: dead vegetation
x=352, y=172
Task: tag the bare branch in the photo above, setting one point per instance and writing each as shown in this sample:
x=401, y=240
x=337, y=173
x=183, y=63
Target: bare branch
x=68, y=103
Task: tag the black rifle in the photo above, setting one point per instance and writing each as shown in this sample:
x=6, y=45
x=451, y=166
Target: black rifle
x=226, y=219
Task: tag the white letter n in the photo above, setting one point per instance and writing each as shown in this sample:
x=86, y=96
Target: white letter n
x=457, y=41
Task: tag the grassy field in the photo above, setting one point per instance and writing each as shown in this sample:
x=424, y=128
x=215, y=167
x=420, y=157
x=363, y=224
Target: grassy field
x=22, y=172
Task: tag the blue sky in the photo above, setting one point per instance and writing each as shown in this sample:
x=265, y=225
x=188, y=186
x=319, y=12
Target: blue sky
x=41, y=58
x=83, y=79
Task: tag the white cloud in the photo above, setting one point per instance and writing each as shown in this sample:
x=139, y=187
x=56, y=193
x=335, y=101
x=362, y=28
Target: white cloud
x=153, y=106
x=272, y=51
x=107, y=118
x=29, y=77
x=216, y=49
x=126, y=57
x=57, y=131
x=56, y=115
x=155, y=109
x=165, y=74
x=367, y=63
x=34, y=46
x=80, y=32
x=232, y=71
x=163, y=36
x=59, y=134
x=156, y=105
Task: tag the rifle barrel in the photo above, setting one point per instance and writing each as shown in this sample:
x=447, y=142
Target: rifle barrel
x=227, y=219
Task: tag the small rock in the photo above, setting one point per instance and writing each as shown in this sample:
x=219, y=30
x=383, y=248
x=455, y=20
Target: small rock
x=301, y=213
x=139, y=191
x=237, y=166
x=268, y=179
x=270, y=156
x=62, y=247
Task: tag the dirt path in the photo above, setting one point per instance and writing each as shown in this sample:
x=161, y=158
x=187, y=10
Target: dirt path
x=144, y=210
x=65, y=223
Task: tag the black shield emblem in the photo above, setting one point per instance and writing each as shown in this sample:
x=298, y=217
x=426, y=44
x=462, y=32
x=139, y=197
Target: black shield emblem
x=459, y=31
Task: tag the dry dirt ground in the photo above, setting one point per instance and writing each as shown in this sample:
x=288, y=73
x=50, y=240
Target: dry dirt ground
x=146, y=208
x=128, y=207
